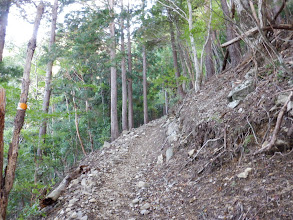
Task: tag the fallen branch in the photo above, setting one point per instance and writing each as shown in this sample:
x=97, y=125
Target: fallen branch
x=277, y=128
x=255, y=30
x=54, y=195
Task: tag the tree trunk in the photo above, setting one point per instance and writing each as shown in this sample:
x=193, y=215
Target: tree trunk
x=145, y=102
x=130, y=101
x=19, y=118
x=2, y=123
x=180, y=91
x=114, y=115
x=130, y=105
x=77, y=126
x=4, y=11
x=123, y=74
x=198, y=73
x=89, y=126
x=234, y=50
x=48, y=89
x=209, y=63
x=166, y=102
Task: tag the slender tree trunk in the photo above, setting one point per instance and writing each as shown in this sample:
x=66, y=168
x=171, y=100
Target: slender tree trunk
x=130, y=105
x=19, y=118
x=180, y=91
x=114, y=115
x=4, y=11
x=234, y=49
x=130, y=101
x=123, y=74
x=145, y=102
x=2, y=123
x=209, y=63
x=89, y=126
x=198, y=73
x=166, y=102
x=48, y=89
x=77, y=126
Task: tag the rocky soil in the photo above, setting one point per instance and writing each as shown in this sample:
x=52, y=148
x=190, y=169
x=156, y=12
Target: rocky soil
x=198, y=162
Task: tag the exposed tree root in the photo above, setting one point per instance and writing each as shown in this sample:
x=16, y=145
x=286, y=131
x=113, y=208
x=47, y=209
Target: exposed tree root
x=269, y=146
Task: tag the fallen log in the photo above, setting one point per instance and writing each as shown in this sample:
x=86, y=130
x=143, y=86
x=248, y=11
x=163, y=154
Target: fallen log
x=255, y=30
x=55, y=194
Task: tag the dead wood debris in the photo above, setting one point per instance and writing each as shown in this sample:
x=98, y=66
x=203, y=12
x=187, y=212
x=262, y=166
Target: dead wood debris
x=55, y=194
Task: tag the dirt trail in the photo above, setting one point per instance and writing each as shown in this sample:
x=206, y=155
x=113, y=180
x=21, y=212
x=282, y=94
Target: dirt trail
x=107, y=191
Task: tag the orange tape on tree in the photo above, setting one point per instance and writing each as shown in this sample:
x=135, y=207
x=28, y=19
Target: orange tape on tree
x=22, y=106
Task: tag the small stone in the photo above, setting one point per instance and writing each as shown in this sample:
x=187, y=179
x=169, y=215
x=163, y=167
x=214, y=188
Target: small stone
x=234, y=104
x=72, y=201
x=106, y=144
x=144, y=212
x=135, y=201
x=142, y=184
x=244, y=174
x=62, y=212
x=169, y=154
x=191, y=152
x=84, y=217
x=145, y=206
x=92, y=200
x=68, y=210
x=160, y=159
x=73, y=215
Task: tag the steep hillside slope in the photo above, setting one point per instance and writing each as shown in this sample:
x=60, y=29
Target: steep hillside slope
x=199, y=162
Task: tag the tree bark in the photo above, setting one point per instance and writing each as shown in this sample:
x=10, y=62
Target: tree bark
x=198, y=73
x=123, y=74
x=89, y=126
x=180, y=91
x=166, y=103
x=130, y=99
x=4, y=11
x=48, y=89
x=209, y=63
x=145, y=102
x=114, y=115
x=234, y=50
x=19, y=118
x=2, y=123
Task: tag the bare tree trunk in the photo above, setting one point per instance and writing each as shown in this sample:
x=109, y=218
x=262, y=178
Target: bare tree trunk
x=166, y=103
x=234, y=50
x=180, y=91
x=4, y=11
x=114, y=115
x=48, y=89
x=19, y=118
x=123, y=74
x=130, y=101
x=198, y=73
x=145, y=102
x=209, y=63
x=76, y=125
x=89, y=126
x=2, y=123
x=130, y=105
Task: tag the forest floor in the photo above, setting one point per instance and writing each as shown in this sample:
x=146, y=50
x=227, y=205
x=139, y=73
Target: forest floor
x=196, y=163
